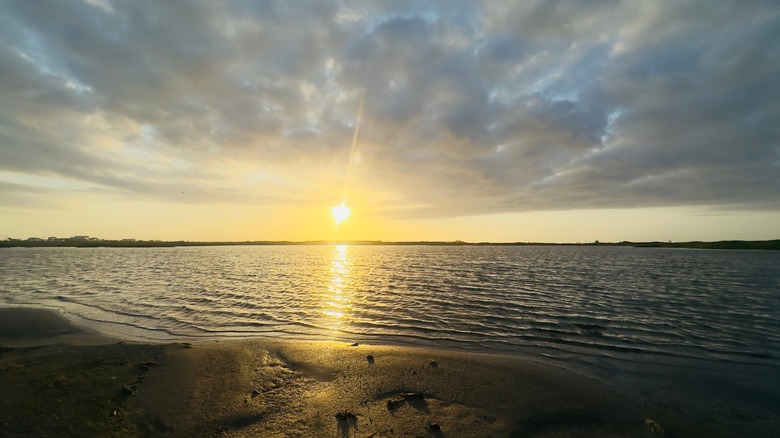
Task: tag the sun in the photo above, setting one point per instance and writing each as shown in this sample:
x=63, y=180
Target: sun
x=340, y=213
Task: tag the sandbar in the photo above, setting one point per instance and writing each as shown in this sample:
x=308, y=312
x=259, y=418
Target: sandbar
x=61, y=380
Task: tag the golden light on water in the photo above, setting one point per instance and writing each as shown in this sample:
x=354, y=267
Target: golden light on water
x=340, y=213
x=337, y=301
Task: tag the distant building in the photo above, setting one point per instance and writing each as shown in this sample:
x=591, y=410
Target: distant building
x=34, y=239
x=53, y=239
x=80, y=238
x=128, y=240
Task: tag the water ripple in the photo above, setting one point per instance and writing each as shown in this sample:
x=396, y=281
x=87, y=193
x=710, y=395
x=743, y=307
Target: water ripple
x=587, y=302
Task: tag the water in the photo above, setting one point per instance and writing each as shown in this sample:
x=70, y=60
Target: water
x=651, y=318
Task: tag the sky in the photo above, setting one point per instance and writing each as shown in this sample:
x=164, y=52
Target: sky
x=531, y=121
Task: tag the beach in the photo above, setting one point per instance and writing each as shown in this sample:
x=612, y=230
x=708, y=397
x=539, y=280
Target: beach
x=62, y=380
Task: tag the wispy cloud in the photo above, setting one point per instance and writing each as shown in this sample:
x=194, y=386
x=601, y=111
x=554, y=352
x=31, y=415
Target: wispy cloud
x=468, y=108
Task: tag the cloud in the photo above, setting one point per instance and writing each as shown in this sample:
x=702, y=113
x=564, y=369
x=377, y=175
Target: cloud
x=468, y=108
x=24, y=196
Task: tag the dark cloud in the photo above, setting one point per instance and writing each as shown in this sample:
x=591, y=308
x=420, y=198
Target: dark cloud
x=467, y=108
x=22, y=195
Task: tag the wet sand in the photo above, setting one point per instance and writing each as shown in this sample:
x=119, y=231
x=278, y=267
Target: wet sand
x=60, y=380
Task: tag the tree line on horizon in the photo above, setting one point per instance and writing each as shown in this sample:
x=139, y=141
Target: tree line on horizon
x=91, y=242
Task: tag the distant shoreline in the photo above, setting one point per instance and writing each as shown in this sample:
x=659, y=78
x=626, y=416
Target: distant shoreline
x=132, y=243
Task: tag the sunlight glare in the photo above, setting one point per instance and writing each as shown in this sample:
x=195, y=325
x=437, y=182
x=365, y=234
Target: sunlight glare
x=340, y=213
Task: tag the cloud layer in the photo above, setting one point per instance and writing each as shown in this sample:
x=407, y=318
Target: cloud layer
x=467, y=108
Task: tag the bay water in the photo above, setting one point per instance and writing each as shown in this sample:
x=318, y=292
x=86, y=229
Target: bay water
x=660, y=323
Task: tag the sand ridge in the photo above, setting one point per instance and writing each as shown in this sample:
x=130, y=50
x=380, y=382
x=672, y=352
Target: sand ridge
x=268, y=388
x=333, y=389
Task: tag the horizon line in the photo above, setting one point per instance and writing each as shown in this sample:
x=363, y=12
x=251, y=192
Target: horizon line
x=86, y=241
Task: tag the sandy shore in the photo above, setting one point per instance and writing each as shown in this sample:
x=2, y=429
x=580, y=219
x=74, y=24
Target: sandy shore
x=61, y=381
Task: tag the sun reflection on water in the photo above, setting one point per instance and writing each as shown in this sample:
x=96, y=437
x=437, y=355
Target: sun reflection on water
x=337, y=301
